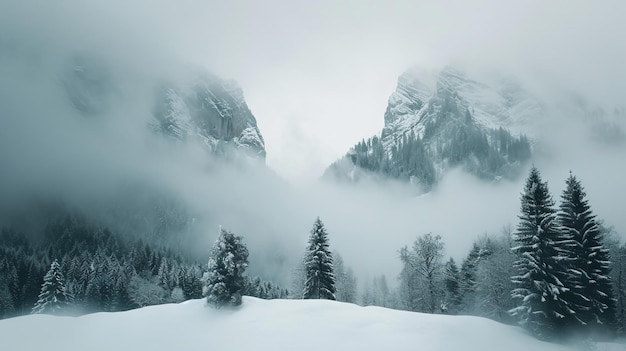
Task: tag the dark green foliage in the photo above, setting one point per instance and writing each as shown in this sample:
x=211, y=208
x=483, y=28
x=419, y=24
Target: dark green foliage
x=410, y=160
x=318, y=265
x=369, y=155
x=451, y=284
x=591, y=287
x=542, y=265
x=264, y=290
x=191, y=282
x=618, y=276
x=225, y=281
x=459, y=141
x=450, y=138
x=8, y=281
x=98, y=266
x=467, y=282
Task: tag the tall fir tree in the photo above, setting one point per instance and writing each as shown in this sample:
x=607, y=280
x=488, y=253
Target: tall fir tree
x=592, y=290
x=467, y=276
x=451, y=284
x=191, y=282
x=318, y=265
x=224, y=281
x=542, y=263
x=53, y=297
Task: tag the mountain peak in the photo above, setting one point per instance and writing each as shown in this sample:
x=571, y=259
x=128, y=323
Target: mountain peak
x=499, y=102
x=211, y=110
x=198, y=106
x=438, y=120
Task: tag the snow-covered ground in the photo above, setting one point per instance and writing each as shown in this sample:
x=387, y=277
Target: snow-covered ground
x=267, y=325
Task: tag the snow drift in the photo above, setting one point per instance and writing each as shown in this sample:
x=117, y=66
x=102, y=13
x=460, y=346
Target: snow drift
x=266, y=325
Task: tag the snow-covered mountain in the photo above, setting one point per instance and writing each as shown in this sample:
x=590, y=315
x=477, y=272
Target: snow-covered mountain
x=203, y=109
x=488, y=124
x=436, y=121
x=269, y=325
x=500, y=104
x=211, y=110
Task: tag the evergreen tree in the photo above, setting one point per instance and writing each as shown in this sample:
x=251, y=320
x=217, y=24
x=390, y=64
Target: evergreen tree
x=53, y=297
x=451, y=283
x=542, y=263
x=618, y=276
x=467, y=276
x=165, y=276
x=225, y=280
x=191, y=282
x=6, y=300
x=592, y=290
x=320, y=279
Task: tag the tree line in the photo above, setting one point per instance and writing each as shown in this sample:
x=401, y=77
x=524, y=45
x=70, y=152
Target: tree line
x=225, y=278
x=450, y=137
x=99, y=270
x=558, y=272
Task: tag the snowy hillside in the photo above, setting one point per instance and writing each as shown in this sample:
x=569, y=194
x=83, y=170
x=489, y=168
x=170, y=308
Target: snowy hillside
x=267, y=325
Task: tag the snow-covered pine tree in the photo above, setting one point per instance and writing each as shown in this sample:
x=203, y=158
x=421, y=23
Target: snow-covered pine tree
x=318, y=266
x=224, y=280
x=53, y=297
x=592, y=290
x=542, y=263
x=164, y=276
x=191, y=282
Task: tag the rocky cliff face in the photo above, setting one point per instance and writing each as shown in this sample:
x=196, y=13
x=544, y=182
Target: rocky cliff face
x=436, y=121
x=211, y=110
x=205, y=109
x=500, y=104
